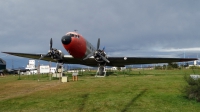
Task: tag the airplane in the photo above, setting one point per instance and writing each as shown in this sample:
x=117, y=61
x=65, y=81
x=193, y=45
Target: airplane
x=83, y=52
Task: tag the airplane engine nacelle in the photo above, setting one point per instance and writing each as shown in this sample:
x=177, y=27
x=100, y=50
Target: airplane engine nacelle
x=98, y=58
x=56, y=55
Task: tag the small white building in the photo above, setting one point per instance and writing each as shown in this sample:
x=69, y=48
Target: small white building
x=31, y=65
x=115, y=68
x=30, y=72
x=195, y=64
x=52, y=69
x=32, y=69
x=44, y=69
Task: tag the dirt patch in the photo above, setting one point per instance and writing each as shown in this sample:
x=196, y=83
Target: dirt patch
x=16, y=89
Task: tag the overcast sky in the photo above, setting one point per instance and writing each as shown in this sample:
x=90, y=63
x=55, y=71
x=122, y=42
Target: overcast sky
x=161, y=28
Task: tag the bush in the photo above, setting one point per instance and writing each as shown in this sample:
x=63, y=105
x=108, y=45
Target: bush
x=171, y=66
x=158, y=67
x=192, y=90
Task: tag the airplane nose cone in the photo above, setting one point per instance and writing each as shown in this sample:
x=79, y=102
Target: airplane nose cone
x=66, y=39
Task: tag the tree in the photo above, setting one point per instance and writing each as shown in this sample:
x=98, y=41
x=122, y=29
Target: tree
x=172, y=66
x=164, y=67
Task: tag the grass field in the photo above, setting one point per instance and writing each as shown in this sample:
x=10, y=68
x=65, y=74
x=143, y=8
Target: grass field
x=138, y=90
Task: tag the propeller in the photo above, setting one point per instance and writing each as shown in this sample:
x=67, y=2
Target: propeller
x=51, y=43
x=53, y=53
x=97, y=53
x=104, y=58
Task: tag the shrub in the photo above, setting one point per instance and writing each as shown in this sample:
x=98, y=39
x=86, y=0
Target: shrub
x=158, y=67
x=192, y=90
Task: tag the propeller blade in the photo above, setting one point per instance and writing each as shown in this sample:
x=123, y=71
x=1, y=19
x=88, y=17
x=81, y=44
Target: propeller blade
x=51, y=43
x=88, y=56
x=98, y=44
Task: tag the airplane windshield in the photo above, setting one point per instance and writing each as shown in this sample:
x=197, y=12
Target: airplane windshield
x=73, y=35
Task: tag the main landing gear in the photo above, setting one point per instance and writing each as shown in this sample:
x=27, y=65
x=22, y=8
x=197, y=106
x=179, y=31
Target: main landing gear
x=101, y=71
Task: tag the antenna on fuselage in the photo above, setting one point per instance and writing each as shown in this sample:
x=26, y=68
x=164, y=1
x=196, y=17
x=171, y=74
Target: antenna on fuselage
x=75, y=30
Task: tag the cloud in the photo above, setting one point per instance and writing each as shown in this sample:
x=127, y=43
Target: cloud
x=131, y=27
x=197, y=49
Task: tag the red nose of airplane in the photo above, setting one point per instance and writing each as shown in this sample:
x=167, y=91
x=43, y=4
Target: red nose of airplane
x=66, y=39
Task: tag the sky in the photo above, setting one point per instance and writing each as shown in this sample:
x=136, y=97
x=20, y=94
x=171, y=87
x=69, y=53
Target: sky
x=147, y=28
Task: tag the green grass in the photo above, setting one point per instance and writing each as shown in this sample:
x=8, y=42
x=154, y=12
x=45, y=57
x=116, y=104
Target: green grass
x=149, y=90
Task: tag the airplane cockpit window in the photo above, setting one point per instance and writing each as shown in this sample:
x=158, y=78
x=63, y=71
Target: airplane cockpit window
x=73, y=35
x=70, y=34
x=77, y=36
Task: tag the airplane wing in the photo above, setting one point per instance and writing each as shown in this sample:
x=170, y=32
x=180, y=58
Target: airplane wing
x=114, y=61
x=122, y=61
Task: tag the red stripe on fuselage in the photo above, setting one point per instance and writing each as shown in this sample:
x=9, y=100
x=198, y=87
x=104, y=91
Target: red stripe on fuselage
x=77, y=47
